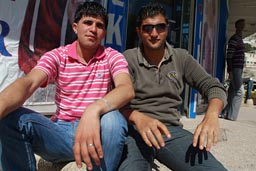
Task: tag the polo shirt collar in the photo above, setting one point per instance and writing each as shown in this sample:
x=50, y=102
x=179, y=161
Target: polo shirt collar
x=72, y=53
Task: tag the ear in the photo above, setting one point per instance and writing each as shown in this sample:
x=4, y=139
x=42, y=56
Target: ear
x=74, y=26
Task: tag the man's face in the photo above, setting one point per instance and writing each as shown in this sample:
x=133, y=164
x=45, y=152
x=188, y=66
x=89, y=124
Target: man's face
x=241, y=26
x=153, y=32
x=90, y=31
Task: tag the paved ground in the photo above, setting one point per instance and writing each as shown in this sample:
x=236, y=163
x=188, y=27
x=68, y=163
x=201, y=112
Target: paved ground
x=236, y=148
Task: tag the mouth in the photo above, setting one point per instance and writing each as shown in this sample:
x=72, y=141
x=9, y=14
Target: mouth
x=91, y=37
x=154, y=40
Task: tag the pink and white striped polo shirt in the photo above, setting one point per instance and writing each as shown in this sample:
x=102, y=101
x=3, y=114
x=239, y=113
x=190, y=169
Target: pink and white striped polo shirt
x=78, y=84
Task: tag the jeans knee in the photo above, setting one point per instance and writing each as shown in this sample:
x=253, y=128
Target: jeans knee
x=18, y=120
x=114, y=124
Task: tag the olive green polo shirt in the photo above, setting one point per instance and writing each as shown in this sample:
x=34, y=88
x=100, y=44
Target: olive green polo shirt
x=158, y=89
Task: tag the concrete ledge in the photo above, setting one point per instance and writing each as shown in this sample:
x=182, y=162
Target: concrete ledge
x=43, y=165
x=48, y=166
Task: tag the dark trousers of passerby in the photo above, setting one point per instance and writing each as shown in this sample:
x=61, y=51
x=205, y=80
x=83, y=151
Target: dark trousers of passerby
x=235, y=94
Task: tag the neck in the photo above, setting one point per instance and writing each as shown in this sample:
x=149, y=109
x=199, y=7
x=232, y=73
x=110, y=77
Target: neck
x=85, y=54
x=154, y=56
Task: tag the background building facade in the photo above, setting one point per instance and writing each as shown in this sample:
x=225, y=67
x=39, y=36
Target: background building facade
x=30, y=28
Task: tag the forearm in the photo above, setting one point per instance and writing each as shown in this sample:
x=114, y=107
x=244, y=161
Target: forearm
x=18, y=92
x=14, y=96
x=215, y=107
x=120, y=96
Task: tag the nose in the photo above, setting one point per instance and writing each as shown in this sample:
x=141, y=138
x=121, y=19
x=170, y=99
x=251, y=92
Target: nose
x=93, y=27
x=154, y=32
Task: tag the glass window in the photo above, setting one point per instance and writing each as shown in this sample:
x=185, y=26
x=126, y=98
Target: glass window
x=184, y=41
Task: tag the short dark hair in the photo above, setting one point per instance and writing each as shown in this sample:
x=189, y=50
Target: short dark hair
x=92, y=9
x=239, y=21
x=150, y=10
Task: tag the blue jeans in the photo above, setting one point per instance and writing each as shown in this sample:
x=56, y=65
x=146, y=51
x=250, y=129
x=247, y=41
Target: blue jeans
x=178, y=153
x=25, y=133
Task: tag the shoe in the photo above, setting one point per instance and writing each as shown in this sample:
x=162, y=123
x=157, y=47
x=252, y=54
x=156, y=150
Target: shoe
x=221, y=116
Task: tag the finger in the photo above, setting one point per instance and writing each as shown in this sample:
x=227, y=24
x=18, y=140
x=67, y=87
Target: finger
x=209, y=141
x=93, y=154
x=77, y=154
x=98, y=147
x=99, y=150
x=212, y=140
x=157, y=134
x=145, y=138
x=152, y=139
x=196, y=136
x=202, y=138
x=163, y=129
x=86, y=156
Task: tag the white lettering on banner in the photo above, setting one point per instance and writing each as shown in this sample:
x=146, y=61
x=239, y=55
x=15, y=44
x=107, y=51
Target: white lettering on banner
x=119, y=3
x=114, y=28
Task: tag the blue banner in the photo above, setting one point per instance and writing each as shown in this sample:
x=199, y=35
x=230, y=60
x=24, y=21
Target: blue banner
x=222, y=38
x=196, y=53
x=116, y=31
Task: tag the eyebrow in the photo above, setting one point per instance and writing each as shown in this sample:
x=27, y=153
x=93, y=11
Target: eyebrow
x=99, y=24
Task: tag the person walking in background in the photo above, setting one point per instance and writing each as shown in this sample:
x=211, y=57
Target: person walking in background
x=159, y=73
x=235, y=65
x=92, y=82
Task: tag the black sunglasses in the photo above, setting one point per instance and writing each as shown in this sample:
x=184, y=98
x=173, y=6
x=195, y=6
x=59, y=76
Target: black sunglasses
x=148, y=28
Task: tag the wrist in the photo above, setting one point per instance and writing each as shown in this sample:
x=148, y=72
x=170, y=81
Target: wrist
x=106, y=103
x=134, y=116
x=101, y=105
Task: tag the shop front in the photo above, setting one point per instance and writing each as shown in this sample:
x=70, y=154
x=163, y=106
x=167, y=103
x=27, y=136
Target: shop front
x=195, y=25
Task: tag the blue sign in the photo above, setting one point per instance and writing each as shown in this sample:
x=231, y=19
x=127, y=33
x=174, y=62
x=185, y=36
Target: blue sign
x=196, y=53
x=116, y=31
x=5, y=30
